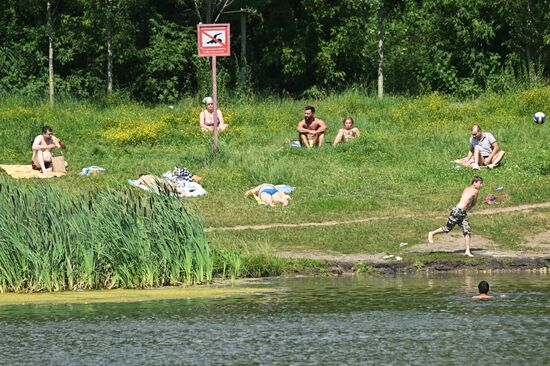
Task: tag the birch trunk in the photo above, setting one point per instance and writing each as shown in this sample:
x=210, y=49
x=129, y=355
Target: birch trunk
x=380, y=35
x=50, y=53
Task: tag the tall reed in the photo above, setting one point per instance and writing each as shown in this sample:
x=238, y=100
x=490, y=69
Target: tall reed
x=51, y=240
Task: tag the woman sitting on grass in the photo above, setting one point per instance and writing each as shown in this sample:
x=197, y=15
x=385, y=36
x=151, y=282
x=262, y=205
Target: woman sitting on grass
x=268, y=194
x=347, y=133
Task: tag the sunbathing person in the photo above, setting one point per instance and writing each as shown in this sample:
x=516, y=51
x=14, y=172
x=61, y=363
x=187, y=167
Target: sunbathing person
x=484, y=150
x=311, y=130
x=42, y=149
x=268, y=194
x=157, y=185
x=207, y=117
x=347, y=133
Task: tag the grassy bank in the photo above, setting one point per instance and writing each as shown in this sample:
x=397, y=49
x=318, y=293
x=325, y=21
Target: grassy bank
x=400, y=167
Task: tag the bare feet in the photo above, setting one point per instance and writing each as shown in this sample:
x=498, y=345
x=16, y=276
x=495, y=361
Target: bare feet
x=431, y=237
x=468, y=254
x=46, y=171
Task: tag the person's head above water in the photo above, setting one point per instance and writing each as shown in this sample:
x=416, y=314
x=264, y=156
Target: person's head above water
x=483, y=287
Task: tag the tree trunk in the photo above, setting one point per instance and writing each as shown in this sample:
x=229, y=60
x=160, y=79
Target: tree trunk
x=243, y=48
x=50, y=53
x=209, y=11
x=529, y=29
x=380, y=35
x=109, y=50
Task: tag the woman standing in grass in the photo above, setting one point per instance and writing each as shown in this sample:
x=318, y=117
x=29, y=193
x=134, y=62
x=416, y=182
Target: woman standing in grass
x=348, y=132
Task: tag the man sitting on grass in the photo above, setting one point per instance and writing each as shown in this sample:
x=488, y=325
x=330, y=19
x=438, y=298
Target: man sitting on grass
x=484, y=150
x=42, y=149
x=311, y=130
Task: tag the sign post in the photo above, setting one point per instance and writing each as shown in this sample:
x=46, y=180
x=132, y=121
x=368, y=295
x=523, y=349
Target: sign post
x=213, y=40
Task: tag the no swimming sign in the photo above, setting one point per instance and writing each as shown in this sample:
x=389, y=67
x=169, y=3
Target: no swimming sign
x=213, y=40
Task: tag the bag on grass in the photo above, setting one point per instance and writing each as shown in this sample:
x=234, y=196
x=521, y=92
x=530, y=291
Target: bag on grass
x=58, y=164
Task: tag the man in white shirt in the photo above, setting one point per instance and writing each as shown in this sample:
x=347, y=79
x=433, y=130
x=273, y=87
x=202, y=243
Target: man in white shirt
x=484, y=149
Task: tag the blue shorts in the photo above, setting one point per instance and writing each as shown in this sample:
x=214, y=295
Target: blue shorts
x=269, y=190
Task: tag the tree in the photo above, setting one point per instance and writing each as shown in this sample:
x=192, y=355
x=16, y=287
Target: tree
x=50, y=52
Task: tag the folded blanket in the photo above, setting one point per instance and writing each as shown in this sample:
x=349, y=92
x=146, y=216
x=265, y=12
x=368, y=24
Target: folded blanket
x=26, y=172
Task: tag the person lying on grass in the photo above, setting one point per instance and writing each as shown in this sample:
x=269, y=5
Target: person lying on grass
x=268, y=194
x=158, y=185
x=42, y=150
x=347, y=133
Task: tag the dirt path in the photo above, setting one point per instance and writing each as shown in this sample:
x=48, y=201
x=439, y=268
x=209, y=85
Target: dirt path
x=538, y=246
x=492, y=211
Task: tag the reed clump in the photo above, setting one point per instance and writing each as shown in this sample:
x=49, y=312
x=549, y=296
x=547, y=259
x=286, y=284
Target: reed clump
x=51, y=240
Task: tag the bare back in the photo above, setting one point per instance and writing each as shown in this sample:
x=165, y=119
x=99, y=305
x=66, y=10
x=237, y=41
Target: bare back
x=469, y=198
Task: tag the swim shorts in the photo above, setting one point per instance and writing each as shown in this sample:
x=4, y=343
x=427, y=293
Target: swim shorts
x=458, y=217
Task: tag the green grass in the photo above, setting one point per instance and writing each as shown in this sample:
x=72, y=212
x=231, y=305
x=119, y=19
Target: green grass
x=400, y=166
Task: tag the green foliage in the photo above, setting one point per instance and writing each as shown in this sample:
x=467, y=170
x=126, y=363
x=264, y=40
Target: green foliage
x=303, y=48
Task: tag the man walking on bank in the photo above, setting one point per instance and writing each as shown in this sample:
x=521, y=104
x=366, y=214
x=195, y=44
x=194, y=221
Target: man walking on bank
x=458, y=215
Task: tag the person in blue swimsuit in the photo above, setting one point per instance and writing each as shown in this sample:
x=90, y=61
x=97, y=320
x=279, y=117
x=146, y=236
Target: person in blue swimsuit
x=268, y=194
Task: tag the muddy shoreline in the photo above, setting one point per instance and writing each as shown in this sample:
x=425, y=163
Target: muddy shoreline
x=339, y=267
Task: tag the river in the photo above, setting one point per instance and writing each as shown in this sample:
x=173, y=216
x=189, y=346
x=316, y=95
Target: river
x=352, y=320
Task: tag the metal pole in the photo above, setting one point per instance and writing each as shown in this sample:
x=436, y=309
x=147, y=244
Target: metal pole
x=215, y=97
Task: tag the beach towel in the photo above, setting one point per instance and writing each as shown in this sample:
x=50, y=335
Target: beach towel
x=26, y=172
x=285, y=188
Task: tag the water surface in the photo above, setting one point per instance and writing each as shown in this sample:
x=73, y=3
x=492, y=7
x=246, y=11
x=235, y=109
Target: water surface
x=421, y=319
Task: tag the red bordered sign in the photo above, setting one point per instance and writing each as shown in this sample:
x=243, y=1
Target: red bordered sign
x=213, y=39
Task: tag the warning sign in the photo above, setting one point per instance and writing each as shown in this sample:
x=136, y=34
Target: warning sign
x=213, y=39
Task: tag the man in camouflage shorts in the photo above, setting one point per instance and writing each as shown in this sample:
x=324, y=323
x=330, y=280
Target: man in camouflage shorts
x=459, y=216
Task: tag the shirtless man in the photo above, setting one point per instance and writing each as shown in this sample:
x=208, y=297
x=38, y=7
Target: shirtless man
x=311, y=129
x=42, y=147
x=459, y=216
x=483, y=291
x=347, y=133
x=206, y=117
x=484, y=150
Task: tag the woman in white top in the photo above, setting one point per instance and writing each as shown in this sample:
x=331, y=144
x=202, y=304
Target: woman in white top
x=206, y=117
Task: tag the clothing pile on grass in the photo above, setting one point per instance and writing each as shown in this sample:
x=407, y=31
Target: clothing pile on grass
x=492, y=199
x=186, y=181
